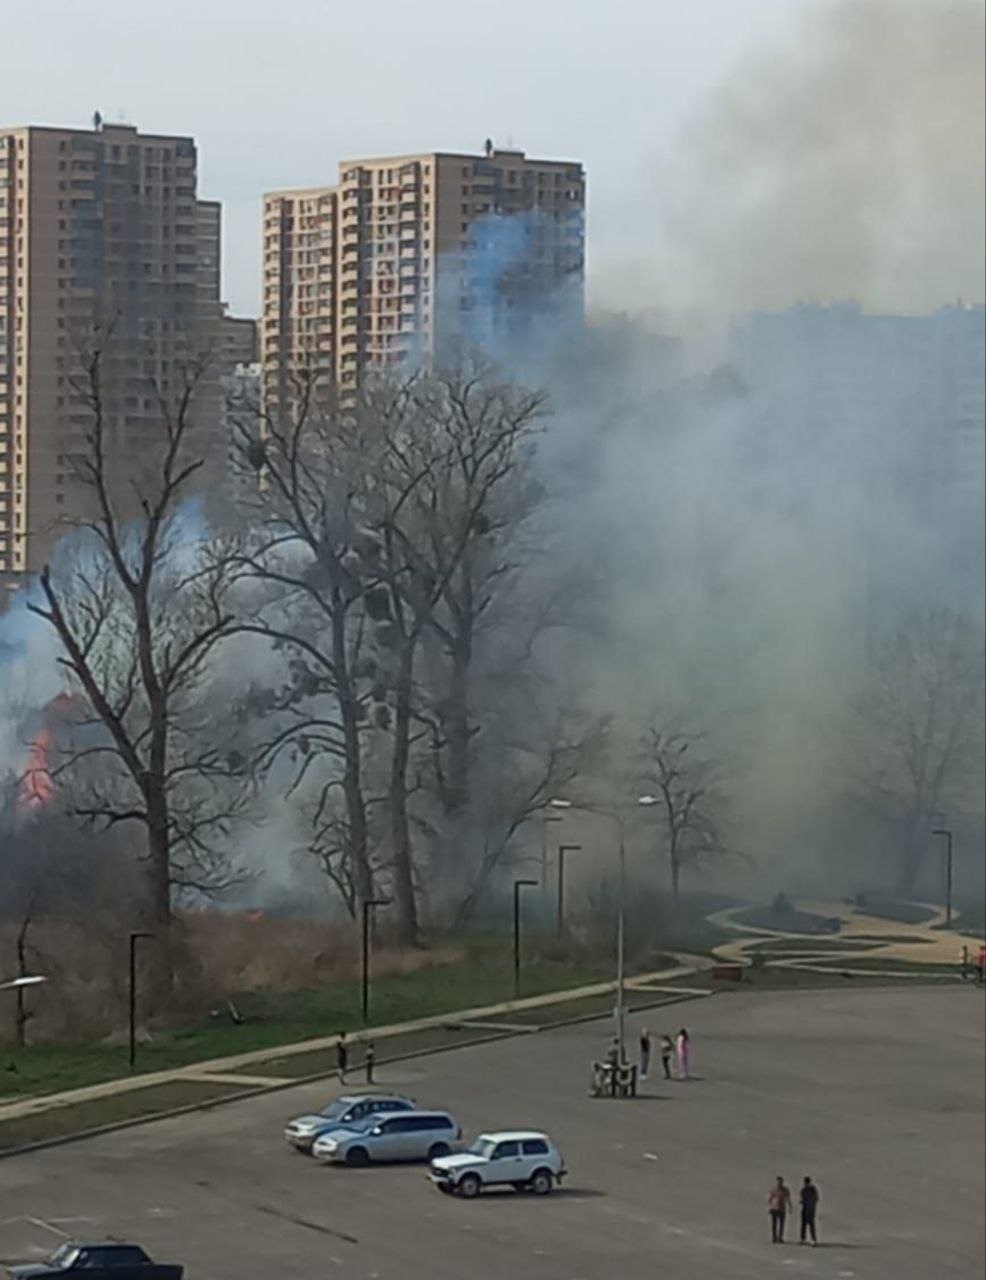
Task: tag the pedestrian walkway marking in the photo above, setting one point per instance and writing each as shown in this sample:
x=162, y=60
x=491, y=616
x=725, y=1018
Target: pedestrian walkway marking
x=482, y=1025
x=217, y=1077
x=671, y=991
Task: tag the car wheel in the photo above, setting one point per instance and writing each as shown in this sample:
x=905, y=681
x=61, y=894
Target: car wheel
x=469, y=1186
x=541, y=1182
x=357, y=1158
x=439, y=1149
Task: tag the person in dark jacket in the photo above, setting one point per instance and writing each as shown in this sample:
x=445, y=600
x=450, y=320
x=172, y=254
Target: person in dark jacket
x=667, y=1054
x=808, y=1196
x=342, y=1056
x=644, y=1053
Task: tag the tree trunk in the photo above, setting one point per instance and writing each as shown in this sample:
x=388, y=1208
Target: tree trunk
x=407, y=911
x=22, y=1016
x=675, y=875
x=457, y=731
x=160, y=947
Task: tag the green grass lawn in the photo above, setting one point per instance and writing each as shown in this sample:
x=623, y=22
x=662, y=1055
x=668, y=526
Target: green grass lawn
x=272, y=1019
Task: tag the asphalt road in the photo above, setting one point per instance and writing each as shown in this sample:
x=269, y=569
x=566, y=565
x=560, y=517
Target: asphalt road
x=878, y=1095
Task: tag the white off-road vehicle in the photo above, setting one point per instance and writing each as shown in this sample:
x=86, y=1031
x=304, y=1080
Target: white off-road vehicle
x=522, y=1159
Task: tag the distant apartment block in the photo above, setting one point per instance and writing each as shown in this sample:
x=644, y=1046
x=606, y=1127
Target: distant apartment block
x=102, y=240
x=406, y=256
x=236, y=342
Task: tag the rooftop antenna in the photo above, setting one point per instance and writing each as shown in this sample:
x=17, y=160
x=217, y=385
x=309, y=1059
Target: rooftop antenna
x=97, y=120
x=488, y=147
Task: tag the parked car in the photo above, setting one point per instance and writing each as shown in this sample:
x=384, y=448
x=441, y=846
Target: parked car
x=522, y=1159
x=339, y=1114
x=98, y=1262
x=412, y=1135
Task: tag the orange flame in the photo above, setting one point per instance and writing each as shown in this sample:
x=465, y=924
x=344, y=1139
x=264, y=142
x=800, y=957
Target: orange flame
x=35, y=782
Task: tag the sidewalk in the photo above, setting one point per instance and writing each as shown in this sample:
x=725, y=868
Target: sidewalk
x=228, y=1069
x=883, y=939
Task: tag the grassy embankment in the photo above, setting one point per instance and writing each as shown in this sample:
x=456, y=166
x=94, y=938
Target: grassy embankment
x=483, y=975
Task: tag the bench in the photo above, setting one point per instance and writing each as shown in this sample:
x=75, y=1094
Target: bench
x=616, y=1081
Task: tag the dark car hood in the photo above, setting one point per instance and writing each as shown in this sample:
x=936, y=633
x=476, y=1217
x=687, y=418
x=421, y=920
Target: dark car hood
x=32, y=1270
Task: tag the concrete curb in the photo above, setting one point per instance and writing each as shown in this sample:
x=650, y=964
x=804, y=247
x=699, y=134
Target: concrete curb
x=281, y=1086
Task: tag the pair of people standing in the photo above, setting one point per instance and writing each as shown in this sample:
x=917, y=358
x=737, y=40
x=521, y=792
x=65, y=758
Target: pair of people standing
x=680, y=1047
x=779, y=1205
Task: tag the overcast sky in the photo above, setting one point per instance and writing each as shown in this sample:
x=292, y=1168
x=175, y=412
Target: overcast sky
x=277, y=93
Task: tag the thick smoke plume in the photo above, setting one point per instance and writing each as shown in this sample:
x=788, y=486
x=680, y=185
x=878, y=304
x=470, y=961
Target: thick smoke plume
x=846, y=161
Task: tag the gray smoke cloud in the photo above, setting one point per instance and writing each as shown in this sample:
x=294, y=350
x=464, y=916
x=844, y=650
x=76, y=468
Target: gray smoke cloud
x=846, y=161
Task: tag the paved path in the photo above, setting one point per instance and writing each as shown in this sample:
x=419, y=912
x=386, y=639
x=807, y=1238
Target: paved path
x=229, y=1069
x=848, y=1085
x=926, y=943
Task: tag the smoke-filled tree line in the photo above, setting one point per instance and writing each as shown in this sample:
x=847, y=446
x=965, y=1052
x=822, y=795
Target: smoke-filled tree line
x=381, y=565
x=407, y=621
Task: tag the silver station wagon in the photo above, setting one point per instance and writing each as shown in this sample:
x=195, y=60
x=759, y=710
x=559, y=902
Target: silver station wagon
x=405, y=1135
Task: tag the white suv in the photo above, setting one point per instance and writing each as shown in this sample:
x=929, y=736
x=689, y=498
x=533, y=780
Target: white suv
x=522, y=1159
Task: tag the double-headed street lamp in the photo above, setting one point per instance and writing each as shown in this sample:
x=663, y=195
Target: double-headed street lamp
x=618, y=819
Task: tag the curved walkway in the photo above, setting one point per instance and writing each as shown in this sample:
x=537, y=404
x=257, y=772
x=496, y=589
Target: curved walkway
x=874, y=937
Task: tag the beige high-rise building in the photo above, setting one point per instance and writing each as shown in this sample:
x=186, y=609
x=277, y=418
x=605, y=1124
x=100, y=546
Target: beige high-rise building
x=408, y=256
x=101, y=233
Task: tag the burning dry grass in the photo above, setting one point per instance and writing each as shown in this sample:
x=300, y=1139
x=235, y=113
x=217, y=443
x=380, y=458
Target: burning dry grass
x=218, y=957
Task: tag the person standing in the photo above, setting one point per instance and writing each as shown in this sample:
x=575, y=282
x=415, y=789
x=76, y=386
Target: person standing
x=778, y=1204
x=342, y=1056
x=667, y=1053
x=684, y=1047
x=644, y=1053
x=808, y=1195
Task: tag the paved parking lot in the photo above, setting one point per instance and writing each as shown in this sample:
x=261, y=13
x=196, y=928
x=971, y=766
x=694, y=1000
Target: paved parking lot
x=877, y=1094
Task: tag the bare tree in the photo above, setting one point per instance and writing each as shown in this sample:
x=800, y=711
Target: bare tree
x=450, y=445
x=519, y=778
x=305, y=558
x=918, y=727
x=686, y=786
x=139, y=608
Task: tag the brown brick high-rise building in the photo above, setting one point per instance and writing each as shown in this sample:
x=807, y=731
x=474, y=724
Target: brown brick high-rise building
x=101, y=231
x=408, y=255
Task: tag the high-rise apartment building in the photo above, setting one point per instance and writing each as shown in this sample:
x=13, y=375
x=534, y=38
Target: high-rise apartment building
x=102, y=241
x=409, y=255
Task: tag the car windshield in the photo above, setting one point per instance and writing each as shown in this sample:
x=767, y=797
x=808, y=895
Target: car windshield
x=64, y=1257
x=483, y=1147
x=335, y=1109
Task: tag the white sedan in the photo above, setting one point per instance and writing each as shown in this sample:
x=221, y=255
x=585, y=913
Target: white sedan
x=523, y=1159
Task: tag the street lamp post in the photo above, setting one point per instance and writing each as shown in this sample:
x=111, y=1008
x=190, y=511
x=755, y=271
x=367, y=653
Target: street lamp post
x=562, y=850
x=135, y=937
x=620, y=918
x=616, y=818
x=518, y=885
x=946, y=832
x=545, y=819
x=368, y=906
